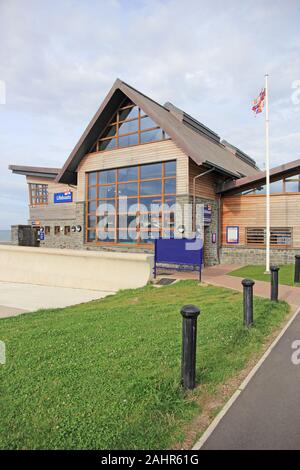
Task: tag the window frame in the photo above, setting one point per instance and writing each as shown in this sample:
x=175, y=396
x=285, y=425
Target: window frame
x=274, y=232
x=118, y=122
x=39, y=194
x=116, y=200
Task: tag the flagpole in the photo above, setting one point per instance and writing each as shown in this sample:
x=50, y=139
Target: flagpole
x=267, y=176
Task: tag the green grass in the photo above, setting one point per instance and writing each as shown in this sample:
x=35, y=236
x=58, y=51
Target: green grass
x=105, y=375
x=286, y=274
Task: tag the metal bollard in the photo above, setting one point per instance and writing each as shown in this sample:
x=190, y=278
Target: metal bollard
x=297, y=268
x=274, y=283
x=189, y=336
x=248, y=301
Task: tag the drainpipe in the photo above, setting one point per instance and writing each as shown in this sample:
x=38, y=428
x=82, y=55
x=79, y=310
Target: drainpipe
x=194, y=195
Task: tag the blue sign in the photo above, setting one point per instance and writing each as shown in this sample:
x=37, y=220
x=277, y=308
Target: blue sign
x=63, y=197
x=42, y=236
x=178, y=251
x=207, y=214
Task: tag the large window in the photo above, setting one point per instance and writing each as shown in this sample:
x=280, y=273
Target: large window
x=38, y=194
x=132, y=204
x=129, y=126
x=256, y=236
x=286, y=185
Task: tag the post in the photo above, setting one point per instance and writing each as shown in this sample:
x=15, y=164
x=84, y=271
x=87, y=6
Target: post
x=274, y=283
x=248, y=301
x=267, y=177
x=189, y=336
x=297, y=268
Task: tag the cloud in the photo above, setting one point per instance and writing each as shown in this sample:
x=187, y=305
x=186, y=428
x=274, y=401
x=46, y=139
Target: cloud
x=58, y=60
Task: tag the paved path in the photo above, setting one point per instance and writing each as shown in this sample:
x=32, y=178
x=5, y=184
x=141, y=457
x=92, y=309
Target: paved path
x=217, y=275
x=16, y=298
x=266, y=413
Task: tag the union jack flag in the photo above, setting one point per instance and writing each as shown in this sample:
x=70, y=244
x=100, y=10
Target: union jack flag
x=258, y=104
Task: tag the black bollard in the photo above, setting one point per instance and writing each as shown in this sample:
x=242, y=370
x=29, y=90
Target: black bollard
x=189, y=336
x=274, y=283
x=297, y=268
x=248, y=301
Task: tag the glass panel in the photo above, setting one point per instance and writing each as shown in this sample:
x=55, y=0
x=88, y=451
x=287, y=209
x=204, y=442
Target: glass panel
x=149, y=236
x=170, y=168
x=128, y=205
x=292, y=186
x=170, y=186
x=128, y=140
x=110, y=131
x=147, y=123
x=152, y=204
x=151, y=171
x=128, y=189
x=107, y=144
x=108, y=221
x=105, y=236
x=91, y=235
x=129, y=127
x=128, y=113
x=125, y=221
x=92, y=193
x=92, y=206
x=169, y=201
x=142, y=113
x=151, y=136
x=106, y=177
x=127, y=236
x=104, y=207
x=92, y=221
x=128, y=174
x=107, y=191
x=148, y=188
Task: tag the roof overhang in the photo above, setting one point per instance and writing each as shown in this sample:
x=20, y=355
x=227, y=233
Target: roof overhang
x=198, y=147
x=41, y=172
x=255, y=181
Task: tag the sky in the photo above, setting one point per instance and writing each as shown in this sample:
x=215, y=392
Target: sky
x=59, y=58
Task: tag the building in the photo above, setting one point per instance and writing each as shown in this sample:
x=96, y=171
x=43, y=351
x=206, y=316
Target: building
x=155, y=154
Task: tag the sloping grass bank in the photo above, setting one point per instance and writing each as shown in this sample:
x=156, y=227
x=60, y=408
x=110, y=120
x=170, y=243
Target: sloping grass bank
x=105, y=375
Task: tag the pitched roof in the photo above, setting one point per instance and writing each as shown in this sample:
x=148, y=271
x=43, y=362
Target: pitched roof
x=259, y=179
x=35, y=171
x=197, y=141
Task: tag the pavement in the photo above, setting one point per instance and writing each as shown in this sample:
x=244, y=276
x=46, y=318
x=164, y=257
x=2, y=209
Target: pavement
x=17, y=298
x=264, y=413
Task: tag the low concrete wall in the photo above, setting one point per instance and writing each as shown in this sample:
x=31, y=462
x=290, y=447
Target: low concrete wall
x=245, y=255
x=72, y=268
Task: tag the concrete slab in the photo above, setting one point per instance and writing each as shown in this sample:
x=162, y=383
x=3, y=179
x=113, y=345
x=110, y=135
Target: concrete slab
x=16, y=298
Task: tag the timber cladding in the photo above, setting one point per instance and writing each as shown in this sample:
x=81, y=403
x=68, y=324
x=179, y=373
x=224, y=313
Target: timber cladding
x=205, y=185
x=137, y=155
x=249, y=212
x=52, y=211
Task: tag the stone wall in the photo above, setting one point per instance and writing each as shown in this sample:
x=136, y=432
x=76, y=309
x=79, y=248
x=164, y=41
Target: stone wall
x=24, y=235
x=245, y=255
x=74, y=240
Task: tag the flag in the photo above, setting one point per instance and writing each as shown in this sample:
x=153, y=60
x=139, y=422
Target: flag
x=259, y=103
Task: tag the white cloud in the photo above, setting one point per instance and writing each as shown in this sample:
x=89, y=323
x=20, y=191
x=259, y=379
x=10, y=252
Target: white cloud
x=59, y=59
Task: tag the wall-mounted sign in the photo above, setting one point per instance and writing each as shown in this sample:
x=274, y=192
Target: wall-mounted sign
x=207, y=214
x=214, y=237
x=41, y=235
x=232, y=234
x=63, y=197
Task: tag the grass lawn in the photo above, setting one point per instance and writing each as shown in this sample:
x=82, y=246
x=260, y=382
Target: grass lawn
x=105, y=374
x=286, y=274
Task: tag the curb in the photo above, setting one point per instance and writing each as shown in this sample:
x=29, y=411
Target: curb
x=242, y=386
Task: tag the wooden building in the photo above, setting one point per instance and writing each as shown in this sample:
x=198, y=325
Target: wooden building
x=155, y=156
